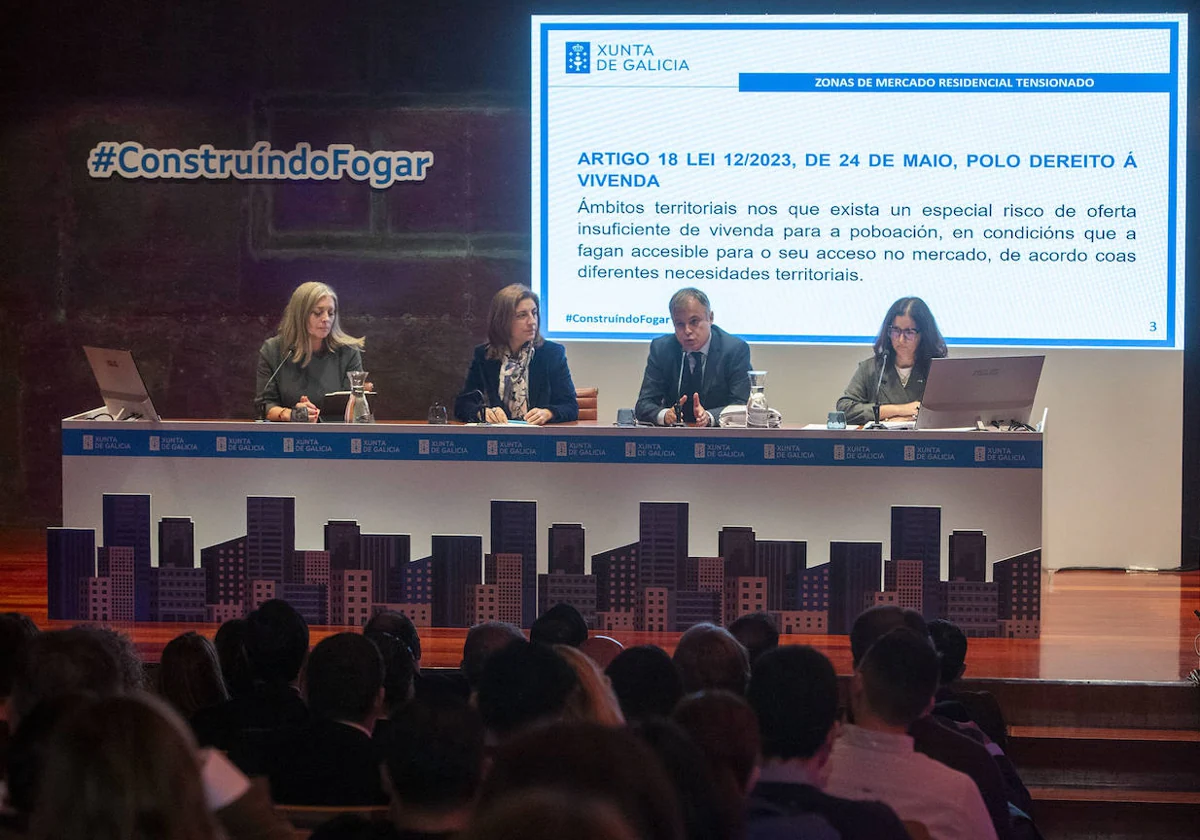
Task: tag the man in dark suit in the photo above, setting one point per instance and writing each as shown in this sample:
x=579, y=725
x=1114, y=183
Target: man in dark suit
x=332, y=760
x=699, y=365
x=793, y=691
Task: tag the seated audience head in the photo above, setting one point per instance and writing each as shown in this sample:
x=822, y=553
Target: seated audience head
x=122, y=767
x=757, y=632
x=874, y=622
x=276, y=642
x=602, y=650
x=646, y=682
x=710, y=657
x=133, y=669
x=592, y=698
x=400, y=626
x=15, y=631
x=588, y=760
x=482, y=641
x=724, y=727
x=27, y=752
x=560, y=625
x=951, y=645
x=709, y=812
x=230, y=643
x=434, y=761
x=895, y=682
x=399, y=672
x=545, y=814
x=60, y=663
x=523, y=684
x=189, y=675
x=794, y=694
x=343, y=680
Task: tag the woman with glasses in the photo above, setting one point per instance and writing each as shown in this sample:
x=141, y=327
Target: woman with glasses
x=517, y=374
x=890, y=384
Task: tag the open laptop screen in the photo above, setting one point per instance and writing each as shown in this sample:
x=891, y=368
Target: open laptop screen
x=121, y=385
x=959, y=393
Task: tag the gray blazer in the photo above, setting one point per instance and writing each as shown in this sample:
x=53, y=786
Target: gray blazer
x=859, y=400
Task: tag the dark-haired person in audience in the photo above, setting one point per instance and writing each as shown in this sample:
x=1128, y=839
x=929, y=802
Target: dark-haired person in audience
x=482, y=641
x=694, y=372
x=129, y=661
x=955, y=703
x=522, y=685
x=933, y=736
x=400, y=626
x=562, y=624
x=794, y=694
x=434, y=764
x=544, y=814
x=893, y=686
x=333, y=760
x=189, y=676
x=646, y=682
x=710, y=657
x=230, y=642
x=399, y=676
x=516, y=374
x=586, y=760
x=61, y=663
x=27, y=757
x=16, y=630
x=908, y=340
x=758, y=633
x=276, y=646
x=725, y=728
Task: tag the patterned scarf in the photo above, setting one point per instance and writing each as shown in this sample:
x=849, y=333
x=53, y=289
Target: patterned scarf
x=514, y=381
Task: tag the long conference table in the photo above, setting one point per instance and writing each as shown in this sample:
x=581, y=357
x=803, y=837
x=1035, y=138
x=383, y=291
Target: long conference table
x=813, y=485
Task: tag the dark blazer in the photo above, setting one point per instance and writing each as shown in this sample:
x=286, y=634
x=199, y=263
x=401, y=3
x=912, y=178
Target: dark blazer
x=326, y=763
x=853, y=819
x=268, y=707
x=725, y=381
x=550, y=384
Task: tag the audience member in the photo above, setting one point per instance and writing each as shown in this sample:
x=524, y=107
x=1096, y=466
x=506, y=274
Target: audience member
x=709, y=813
x=332, y=760
x=60, y=663
x=543, y=814
x=523, y=684
x=132, y=668
x=482, y=641
x=230, y=643
x=710, y=657
x=955, y=703
x=934, y=737
x=592, y=699
x=646, y=682
x=434, y=764
x=27, y=757
x=588, y=760
x=758, y=633
x=399, y=671
x=724, y=727
x=400, y=626
x=562, y=624
x=893, y=686
x=794, y=694
x=276, y=646
x=15, y=630
x=189, y=675
x=602, y=650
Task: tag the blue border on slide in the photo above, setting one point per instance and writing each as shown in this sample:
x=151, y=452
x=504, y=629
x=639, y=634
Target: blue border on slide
x=1168, y=341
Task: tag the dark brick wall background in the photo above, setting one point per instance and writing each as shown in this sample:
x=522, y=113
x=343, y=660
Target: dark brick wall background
x=192, y=276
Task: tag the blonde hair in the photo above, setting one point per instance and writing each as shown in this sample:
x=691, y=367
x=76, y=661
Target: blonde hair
x=593, y=699
x=500, y=318
x=293, y=326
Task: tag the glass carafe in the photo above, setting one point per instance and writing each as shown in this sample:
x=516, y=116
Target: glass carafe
x=357, y=409
x=757, y=415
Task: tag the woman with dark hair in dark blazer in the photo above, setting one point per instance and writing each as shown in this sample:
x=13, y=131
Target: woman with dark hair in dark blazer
x=517, y=374
x=907, y=341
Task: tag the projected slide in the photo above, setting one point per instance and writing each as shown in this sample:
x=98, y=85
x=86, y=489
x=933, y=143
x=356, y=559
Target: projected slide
x=1023, y=175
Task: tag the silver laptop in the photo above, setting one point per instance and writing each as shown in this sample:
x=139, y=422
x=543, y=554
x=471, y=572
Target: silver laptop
x=967, y=393
x=121, y=385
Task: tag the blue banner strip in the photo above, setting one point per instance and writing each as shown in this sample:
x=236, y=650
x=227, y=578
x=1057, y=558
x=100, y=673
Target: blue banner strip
x=859, y=449
x=956, y=82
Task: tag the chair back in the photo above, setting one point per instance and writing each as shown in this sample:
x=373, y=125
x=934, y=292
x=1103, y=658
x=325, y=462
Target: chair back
x=589, y=399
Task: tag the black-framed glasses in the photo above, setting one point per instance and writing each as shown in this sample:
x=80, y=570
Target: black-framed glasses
x=907, y=334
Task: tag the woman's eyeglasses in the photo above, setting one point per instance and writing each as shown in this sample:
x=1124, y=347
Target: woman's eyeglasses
x=907, y=335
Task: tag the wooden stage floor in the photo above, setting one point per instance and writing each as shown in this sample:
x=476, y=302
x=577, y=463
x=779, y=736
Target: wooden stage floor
x=1107, y=625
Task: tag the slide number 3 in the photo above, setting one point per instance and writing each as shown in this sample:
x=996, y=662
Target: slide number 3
x=1154, y=326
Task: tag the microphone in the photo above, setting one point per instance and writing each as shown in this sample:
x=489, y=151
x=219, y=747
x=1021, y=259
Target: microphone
x=260, y=402
x=879, y=383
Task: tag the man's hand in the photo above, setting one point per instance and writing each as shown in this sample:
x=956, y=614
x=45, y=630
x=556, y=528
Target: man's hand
x=703, y=418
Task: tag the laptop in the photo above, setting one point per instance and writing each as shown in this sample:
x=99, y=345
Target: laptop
x=970, y=393
x=121, y=385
